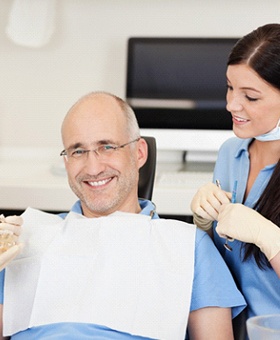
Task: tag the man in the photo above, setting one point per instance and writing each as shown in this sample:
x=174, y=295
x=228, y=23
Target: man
x=106, y=270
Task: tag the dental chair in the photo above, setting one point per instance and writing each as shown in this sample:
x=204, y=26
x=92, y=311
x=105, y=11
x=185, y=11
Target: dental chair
x=148, y=170
x=239, y=326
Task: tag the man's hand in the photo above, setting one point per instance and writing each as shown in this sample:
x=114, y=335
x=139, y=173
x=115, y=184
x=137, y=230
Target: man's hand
x=247, y=225
x=206, y=205
x=10, y=229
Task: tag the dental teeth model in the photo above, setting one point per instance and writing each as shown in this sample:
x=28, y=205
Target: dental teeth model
x=7, y=237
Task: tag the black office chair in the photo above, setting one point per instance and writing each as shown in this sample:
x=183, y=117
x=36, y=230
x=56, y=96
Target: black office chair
x=239, y=326
x=148, y=170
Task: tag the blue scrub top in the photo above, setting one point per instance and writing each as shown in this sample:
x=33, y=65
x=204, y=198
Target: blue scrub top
x=261, y=288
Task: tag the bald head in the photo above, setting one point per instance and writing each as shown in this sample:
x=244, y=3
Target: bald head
x=102, y=105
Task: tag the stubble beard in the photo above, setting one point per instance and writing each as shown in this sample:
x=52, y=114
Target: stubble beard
x=102, y=203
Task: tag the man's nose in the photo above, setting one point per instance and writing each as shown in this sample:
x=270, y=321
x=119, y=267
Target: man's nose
x=94, y=163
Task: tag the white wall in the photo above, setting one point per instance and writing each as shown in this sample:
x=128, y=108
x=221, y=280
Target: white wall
x=88, y=52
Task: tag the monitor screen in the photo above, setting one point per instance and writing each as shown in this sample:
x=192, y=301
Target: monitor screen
x=179, y=83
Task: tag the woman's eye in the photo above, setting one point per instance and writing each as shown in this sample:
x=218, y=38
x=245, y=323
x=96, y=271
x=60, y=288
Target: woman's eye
x=251, y=99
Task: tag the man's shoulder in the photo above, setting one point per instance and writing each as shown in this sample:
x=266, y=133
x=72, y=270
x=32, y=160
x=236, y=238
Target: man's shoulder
x=204, y=244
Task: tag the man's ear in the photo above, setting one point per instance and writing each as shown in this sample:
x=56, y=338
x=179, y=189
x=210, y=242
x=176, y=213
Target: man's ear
x=142, y=152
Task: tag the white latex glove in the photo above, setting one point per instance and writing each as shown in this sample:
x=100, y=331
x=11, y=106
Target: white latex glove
x=206, y=205
x=10, y=229
x=247, y=225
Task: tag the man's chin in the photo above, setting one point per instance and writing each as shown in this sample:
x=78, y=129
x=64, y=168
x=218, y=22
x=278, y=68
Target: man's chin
x=98, y=208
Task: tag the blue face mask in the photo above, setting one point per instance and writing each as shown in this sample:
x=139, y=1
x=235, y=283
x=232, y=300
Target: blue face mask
x=274, y=134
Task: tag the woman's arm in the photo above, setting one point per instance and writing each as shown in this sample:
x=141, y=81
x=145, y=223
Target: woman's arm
x=275, y=263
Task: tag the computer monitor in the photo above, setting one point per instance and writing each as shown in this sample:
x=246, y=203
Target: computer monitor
x=177, y=88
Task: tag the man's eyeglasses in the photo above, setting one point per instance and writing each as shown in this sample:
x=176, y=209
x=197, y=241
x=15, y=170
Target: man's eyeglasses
x=101, y=151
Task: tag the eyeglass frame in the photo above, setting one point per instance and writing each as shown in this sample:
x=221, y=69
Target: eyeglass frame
x=87, y=151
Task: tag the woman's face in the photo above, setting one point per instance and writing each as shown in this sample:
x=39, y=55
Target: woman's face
x=253, y=103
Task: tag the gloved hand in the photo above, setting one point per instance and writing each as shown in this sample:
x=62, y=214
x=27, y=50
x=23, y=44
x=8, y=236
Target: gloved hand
x=247, y=225
x=10, y=229
x=206, y=205
x=202, y=223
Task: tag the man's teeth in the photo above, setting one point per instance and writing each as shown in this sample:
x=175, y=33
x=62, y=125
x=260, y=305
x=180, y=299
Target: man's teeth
x=98, y=183
x=240, y=119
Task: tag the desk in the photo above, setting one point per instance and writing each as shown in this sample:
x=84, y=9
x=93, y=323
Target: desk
x=33, y=183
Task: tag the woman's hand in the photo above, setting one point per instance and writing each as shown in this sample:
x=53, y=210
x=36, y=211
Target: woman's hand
x=206, y=205
x=247, y=225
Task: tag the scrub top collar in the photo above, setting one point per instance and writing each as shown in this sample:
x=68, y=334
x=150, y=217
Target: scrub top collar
x=147, y=208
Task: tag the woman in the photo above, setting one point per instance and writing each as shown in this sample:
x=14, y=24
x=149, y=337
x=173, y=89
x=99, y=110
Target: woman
x=251, y=163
